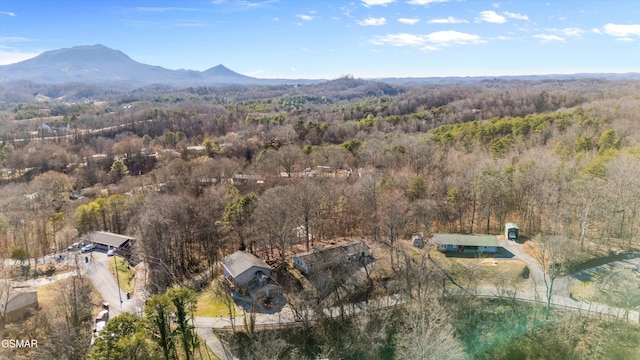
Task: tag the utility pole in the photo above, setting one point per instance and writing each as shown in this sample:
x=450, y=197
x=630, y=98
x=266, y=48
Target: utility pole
x=115, y=263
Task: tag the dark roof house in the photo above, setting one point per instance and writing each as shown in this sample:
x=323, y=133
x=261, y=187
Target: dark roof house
x=322, y=258
x=242, y=267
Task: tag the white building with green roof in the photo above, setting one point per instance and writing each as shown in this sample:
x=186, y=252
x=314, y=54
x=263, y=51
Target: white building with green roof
x=459, y=242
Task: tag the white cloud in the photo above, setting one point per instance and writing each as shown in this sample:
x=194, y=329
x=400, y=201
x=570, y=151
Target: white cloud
x=448, y=20
x=428, y=42
x=304, y=17
x=547, y=37
x=491, y=16
x=626, y=39
x=12, y=39
x=496, y=5
x=425, y=2
x=11, y=57
x=370, y=3
x=8, y=13
x=409, y=21
x=253, y=5
x=371, y=21
x=517, y=16
x=449, y=37
x=622, y=31
x=402, y=39
x=572, y=32
x=346, y=11
x=164, y=9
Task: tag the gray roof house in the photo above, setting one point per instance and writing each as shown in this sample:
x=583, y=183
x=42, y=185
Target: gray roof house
x=458, y=242
x=242, y=267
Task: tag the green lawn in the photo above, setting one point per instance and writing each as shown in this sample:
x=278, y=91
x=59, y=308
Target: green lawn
x=125, y=273
x=211, y=304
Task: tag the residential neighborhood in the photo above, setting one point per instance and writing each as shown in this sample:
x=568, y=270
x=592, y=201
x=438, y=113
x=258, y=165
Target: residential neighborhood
x=150, y=213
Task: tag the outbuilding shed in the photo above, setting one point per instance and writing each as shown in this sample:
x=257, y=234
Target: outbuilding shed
x=511, y=231
x=16, y=303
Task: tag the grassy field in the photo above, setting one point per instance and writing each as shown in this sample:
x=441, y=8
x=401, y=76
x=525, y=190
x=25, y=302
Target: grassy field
x=49, y=296
x=489, y=271
x=618, y=287
x=125, y=273
x=211, y=304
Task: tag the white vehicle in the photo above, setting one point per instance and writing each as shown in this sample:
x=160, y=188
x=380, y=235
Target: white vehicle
x=96, y=331
x=87, y=248
x=102, y=316
x=111, y=252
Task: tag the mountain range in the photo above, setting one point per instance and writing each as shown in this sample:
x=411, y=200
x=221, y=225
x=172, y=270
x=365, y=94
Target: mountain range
x=98, y=64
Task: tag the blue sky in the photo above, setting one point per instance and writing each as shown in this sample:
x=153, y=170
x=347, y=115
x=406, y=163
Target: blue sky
x=328, y=39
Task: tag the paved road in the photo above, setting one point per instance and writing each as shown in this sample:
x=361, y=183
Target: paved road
x=97, y=269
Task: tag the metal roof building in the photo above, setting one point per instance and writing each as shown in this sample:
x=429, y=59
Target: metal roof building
x=107, y=240
x=455, y=242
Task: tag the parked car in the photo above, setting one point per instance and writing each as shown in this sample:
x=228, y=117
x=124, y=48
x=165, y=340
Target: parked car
x=87, y=248
x=73, y=246
x=111, y=252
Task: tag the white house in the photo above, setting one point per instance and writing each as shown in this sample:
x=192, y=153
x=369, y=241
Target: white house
x=459, y=242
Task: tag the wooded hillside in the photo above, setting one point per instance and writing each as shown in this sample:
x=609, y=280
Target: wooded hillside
x=198, y=173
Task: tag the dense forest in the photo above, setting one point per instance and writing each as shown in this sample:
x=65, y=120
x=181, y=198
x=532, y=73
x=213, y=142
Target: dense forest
x=198, y=173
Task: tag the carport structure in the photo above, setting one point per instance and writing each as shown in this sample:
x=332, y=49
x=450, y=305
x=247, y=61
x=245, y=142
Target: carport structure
x=105, y=241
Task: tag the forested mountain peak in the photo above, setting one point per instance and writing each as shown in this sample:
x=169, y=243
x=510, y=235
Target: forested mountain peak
x=86, y=53
x=99, y=64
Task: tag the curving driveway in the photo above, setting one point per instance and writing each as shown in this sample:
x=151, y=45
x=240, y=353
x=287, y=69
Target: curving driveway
x=97, y=269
